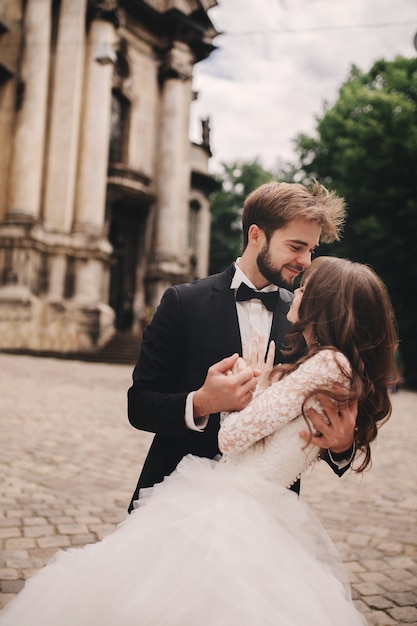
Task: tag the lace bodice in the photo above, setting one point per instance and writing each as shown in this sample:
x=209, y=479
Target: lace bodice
x=264, y=437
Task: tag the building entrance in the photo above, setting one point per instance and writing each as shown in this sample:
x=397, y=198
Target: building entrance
x=126, y=234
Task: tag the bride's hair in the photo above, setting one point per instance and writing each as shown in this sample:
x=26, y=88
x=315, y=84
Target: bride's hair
x=346, y=307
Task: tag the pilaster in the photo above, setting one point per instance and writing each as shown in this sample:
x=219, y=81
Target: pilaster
x=28, y=150
x=95, y=129
x=10, y=45
x=173, y=177
x=62, y=152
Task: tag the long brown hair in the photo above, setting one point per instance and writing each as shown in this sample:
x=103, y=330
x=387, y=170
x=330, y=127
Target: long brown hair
x=346, y=307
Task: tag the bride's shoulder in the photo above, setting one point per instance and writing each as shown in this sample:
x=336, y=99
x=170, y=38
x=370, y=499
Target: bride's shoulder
x=330, y=358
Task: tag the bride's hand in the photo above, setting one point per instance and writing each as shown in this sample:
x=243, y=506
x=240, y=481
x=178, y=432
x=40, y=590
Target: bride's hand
x=240, y=365
x=262, y=365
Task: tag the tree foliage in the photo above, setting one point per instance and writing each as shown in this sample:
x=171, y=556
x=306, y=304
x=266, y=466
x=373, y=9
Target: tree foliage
x=366, y=150
x=237, y=180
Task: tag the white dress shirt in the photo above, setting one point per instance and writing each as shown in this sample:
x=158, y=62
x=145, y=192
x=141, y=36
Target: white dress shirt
x=254, y=320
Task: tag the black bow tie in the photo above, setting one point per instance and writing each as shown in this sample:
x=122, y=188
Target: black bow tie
x=269, y=299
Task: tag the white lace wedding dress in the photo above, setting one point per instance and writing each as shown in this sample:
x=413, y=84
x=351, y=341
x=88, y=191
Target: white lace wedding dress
x=216, y=544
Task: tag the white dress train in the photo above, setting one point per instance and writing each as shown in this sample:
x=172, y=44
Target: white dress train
x=215, y=544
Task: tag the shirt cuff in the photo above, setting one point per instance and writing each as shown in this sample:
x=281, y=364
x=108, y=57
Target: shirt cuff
x=198, y=423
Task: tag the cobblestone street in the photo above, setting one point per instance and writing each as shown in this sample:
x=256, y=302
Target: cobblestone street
x=70, y=461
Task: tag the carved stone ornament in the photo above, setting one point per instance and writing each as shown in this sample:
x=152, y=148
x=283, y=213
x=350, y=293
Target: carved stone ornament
x=176, y=64
x=104, y=10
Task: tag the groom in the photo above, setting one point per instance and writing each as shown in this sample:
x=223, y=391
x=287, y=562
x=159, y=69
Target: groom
x=182, y=379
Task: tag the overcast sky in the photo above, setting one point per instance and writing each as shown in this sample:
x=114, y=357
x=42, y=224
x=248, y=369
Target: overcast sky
x=278, y=61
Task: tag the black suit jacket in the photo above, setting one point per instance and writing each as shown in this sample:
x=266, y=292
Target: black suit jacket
x=195, y=326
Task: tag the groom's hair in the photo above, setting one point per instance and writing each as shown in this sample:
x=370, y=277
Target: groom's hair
x=274, y=204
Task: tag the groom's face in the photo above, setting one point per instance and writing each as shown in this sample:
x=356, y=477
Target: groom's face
x=288, y=252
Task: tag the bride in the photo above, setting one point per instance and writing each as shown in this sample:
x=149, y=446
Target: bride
x=226, y=543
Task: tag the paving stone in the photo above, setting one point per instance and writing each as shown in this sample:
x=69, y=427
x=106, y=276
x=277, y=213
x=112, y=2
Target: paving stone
x=5, y=597
x=8, y=573
x=72, y=529
x=38, y=531
x=372, y=577
x=404, y=615
x=368, y=589
x=403, y=561
x=82, y=540
x=12, y=586
x=396, y=586
x=10, y=531
x=20, y=543
x=380, y=618
x=379, y=602
x=34, y=521
x=54, y=541
x=403, y=599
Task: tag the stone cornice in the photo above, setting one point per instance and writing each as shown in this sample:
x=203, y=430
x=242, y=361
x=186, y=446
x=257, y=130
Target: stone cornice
x=204, y=182
x=191, y=5
x=130, y=182
x=170, y=23
x=76, y=244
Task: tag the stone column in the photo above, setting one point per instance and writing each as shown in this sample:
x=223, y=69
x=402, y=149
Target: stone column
x=28, y=151
x=173, y=181
x=11, y=16
x=65, y=116
x=90, y=203
x=95, y=129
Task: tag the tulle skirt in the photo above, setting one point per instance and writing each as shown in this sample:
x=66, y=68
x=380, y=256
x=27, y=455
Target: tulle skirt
x=209, y=546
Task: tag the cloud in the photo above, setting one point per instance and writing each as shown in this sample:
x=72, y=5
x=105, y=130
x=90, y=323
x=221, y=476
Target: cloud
x=279, y=61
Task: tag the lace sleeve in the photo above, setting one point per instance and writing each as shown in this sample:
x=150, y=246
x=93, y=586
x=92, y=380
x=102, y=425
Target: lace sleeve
x=281, y=402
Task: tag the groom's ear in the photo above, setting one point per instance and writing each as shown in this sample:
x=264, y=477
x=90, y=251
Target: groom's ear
x=256, y=236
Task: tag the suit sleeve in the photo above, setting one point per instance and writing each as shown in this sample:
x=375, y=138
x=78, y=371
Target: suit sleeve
x=156, y=402
x=343, y=465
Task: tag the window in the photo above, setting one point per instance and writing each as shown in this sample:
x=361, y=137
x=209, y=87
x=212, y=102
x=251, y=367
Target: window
x=120, y=107
x=193, y=224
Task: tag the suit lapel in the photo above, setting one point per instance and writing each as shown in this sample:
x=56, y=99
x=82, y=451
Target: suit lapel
x=224, y=305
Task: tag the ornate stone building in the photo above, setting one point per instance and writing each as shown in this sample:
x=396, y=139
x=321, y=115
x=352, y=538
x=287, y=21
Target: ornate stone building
x=104, y=201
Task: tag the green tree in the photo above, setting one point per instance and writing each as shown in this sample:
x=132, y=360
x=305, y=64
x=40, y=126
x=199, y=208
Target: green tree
x=236, y=180
x=365, y=148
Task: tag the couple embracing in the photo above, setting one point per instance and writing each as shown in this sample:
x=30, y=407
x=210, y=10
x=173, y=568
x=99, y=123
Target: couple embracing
x=245, y=385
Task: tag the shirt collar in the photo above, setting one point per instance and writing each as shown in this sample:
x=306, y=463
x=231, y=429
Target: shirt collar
x=240, y=277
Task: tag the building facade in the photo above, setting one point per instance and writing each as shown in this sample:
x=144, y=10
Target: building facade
x=104, y=201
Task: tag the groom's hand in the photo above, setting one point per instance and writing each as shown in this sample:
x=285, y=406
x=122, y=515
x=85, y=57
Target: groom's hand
x=229, y=386
x=333, y=426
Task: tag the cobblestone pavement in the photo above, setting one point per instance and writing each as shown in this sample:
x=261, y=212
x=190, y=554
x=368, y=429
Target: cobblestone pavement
x=70, y=460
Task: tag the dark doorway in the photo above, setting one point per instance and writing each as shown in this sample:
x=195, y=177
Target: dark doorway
x=124, y=235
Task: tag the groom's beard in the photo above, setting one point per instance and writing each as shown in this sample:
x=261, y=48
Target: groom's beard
x=271, y=273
